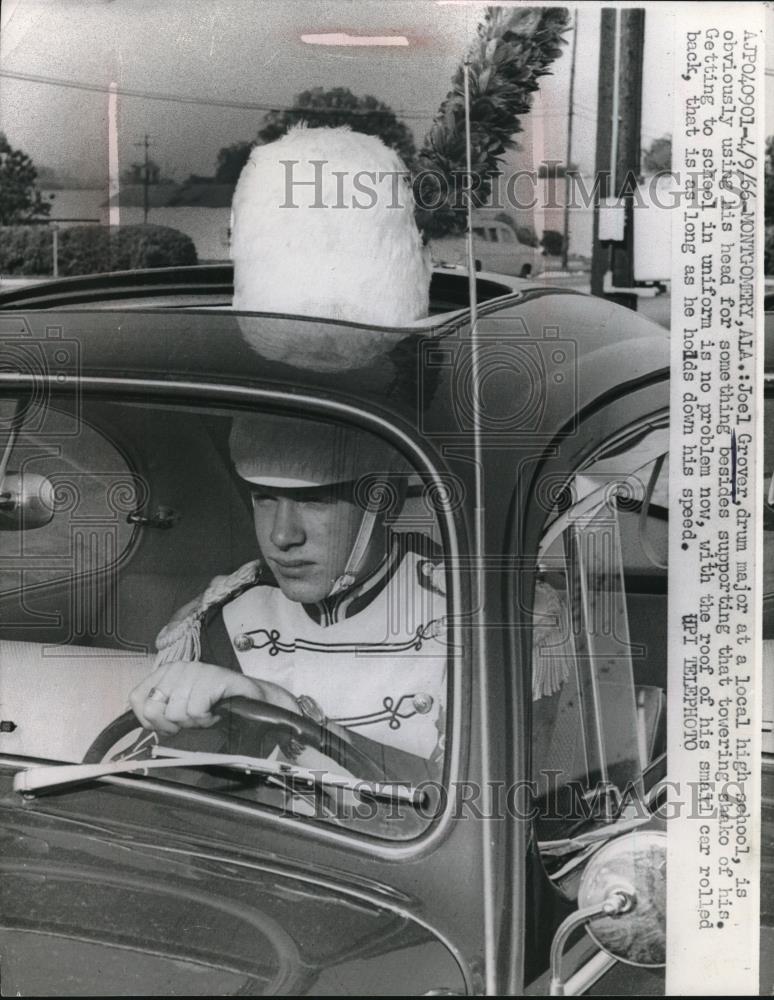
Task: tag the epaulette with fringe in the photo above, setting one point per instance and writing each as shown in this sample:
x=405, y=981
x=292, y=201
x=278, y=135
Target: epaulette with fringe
x=553, y=652
x=181, y=638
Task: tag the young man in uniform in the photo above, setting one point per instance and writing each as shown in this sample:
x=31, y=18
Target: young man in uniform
x=339, y=620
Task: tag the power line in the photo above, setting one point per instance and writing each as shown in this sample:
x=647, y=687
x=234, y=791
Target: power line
x=150, y=95
x=416, y=114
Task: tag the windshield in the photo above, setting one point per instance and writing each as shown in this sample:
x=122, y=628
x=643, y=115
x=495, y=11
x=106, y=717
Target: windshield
x=155, y=187
x=135, y=157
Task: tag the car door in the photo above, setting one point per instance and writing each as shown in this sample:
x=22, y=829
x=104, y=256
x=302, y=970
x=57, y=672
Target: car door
x=347, y=900
x=590, y=601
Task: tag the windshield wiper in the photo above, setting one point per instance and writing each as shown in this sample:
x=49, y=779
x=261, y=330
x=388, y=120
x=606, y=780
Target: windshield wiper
x=39, y=779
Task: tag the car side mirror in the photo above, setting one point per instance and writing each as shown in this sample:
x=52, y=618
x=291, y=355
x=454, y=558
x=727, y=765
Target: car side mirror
x=634, y=865
x=26, y=501
x=621, y=902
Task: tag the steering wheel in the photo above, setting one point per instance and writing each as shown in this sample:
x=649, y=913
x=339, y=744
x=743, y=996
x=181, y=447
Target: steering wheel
x=248, y=721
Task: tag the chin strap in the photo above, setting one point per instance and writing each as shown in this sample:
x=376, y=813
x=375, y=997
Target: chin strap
x=357, y=555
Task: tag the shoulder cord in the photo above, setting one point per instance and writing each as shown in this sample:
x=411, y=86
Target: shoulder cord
x=181, y=638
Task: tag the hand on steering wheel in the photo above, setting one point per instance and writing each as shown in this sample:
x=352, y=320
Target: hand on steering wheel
x=181, y=695
x=210, y=699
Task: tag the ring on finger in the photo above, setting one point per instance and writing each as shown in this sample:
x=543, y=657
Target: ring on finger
x=155, y=694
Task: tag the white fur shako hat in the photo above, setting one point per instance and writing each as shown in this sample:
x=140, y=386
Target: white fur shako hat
x=309, y=239
x=290, y=453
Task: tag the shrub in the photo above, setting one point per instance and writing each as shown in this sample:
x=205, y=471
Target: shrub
x=91, y=249
x=25, y=250
x=88, y=249
x=85, y=250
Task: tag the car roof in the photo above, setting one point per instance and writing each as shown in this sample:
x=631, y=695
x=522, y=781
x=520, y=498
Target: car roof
x=370, y=367
x=213, y=284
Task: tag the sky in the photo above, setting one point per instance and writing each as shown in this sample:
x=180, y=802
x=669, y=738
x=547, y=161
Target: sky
x=252, y=52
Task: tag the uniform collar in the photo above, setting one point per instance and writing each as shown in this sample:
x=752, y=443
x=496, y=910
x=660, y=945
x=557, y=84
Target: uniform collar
x=354, y=600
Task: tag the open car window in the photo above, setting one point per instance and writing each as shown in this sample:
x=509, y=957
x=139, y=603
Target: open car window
x=207, y=542
x=599, y=642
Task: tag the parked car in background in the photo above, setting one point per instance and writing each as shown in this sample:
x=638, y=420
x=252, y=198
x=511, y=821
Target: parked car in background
x=499, y=244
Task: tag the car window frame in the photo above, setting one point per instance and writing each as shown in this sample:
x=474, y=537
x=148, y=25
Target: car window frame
x=453, y=533
x=587, y=432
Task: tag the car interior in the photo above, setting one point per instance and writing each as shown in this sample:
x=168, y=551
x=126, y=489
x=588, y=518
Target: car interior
x=145, y=510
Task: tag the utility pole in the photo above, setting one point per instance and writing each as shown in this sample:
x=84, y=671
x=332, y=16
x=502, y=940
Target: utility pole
x=114, y=189
x=568, y=158
x=632, y=46
x=600, y=253
x=622, y=31
x=145, y=178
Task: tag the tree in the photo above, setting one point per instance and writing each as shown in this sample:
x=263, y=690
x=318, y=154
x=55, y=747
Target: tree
x=318, y=108
x=514, y=47
x=231, y=159
x=657, y=158
x=20, y=199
